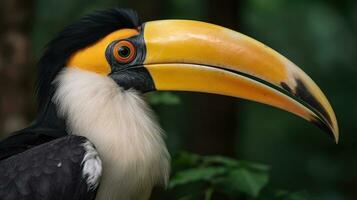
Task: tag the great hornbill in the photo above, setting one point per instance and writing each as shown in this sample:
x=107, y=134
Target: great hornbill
x=96, y=138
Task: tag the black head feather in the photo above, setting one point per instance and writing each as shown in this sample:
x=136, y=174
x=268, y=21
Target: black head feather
x=78, y=35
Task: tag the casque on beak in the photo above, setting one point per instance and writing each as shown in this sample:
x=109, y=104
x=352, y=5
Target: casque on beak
x=184, y=55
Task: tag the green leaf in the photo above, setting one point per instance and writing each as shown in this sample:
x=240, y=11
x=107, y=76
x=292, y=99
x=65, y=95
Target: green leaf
x=186, y=160
x=243, y=180
x=218, y=174
x=214, y=160
x=195, y=174
x=284, y=195
x=209, y=193
x=188, y=197
x=163, y=98
x=255, y=166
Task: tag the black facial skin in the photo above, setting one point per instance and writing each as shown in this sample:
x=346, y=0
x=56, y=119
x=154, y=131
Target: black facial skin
x=133, y=74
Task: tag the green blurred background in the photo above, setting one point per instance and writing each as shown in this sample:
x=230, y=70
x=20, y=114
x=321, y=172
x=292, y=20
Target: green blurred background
x=319, y=36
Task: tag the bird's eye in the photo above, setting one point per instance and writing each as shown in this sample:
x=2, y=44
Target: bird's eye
x=124, y=51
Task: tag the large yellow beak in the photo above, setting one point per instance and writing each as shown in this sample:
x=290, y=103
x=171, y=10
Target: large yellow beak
x=186, y=55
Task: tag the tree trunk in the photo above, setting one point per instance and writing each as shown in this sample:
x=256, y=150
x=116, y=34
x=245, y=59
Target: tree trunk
x=14, y=65
x=213, y=117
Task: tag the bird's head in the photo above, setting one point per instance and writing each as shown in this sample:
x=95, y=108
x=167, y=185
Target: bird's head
x=183, y=55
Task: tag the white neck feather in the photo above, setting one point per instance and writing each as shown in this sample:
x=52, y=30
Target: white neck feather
x=121, y=126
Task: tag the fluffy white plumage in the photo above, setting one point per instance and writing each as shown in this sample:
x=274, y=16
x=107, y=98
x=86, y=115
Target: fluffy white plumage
x=92, y=165
x=121, y=126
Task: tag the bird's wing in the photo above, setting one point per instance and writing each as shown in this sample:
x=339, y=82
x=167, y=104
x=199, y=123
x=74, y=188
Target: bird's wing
x=27, y=138
x=67, y=168
x=47, y=127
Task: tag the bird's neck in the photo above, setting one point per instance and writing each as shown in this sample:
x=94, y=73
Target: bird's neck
x=121, y=126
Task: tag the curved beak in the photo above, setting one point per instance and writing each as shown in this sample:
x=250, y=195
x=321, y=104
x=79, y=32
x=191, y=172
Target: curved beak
x=184, y=55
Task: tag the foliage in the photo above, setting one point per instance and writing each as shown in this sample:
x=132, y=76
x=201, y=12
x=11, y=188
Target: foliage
x=217, y=174
x=163, y=98
x=284, y=195
x=218, y=177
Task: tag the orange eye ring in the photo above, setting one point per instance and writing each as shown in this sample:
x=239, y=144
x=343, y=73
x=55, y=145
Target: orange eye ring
x=124, y=51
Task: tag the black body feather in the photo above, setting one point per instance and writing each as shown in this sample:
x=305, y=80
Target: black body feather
x=51, y=171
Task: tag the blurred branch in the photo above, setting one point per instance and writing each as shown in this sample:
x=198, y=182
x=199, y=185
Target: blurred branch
x=14, y=64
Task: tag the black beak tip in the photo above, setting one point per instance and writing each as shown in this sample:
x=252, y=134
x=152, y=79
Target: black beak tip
x=324, y=127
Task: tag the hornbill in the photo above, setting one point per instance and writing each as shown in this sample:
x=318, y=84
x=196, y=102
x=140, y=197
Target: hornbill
x=96, y=138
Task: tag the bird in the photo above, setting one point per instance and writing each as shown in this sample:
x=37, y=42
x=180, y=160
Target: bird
x=96, y=138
